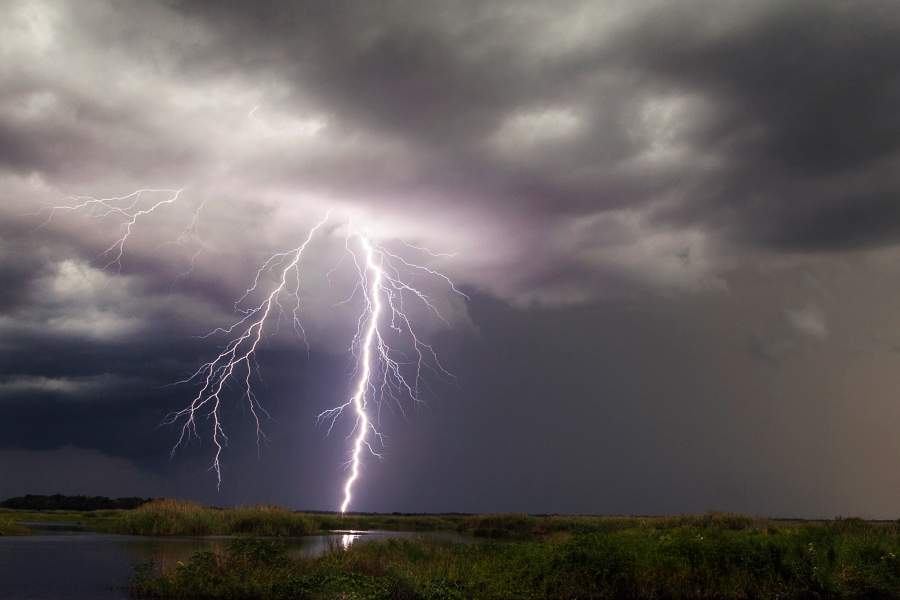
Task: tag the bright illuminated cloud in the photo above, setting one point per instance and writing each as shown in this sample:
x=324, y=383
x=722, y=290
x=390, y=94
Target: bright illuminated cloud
x=516, y=137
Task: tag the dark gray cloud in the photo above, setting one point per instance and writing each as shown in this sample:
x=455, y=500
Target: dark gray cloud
x=805, y=126
x=677, y=222
x=771, y=123
x=71, y=470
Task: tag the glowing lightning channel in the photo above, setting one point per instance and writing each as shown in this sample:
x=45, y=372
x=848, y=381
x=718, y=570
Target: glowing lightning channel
x=385, y=293
x=382, y=373
x=127, y=207
x=239, y=354
x=363, y=423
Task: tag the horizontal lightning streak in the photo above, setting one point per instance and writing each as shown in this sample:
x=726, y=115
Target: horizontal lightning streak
x=130, y=213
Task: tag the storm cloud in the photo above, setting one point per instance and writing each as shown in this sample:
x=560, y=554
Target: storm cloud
x=677, y=222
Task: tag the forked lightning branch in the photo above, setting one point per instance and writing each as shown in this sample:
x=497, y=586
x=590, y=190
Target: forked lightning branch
x=391, y=358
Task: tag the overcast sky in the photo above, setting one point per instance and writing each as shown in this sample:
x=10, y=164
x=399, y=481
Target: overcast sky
x=678, y=225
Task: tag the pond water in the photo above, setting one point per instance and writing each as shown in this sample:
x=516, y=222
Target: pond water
x=56, y=564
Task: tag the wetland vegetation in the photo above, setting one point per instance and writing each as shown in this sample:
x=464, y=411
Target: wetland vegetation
x=9, y=525
x=713, y=558
x=504, y=556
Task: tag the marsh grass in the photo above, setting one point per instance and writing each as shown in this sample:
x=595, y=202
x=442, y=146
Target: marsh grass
x=11, y=519
x=178, y=517
x=684, y=558
x=10, y=527
x=175, y=517
x=58, y=516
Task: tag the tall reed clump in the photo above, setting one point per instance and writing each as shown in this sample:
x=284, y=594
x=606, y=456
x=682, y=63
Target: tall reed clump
x=268, y=521
x=177, y=517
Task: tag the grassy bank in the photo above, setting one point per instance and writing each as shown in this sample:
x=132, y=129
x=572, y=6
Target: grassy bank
x=176, y=517
x=10, y=527
x=97, y=520
x=511, y=556
x=842, y=559
x=173, y=517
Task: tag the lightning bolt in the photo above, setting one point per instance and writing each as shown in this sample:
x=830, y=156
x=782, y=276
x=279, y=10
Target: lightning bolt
x=239, y=354
x=380, y=373
x=384, y=372
x=363, y=423
x=384, y=293
x=129, y=208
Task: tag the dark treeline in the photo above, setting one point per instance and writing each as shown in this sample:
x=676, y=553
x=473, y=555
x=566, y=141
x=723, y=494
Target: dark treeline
x=60, y=502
